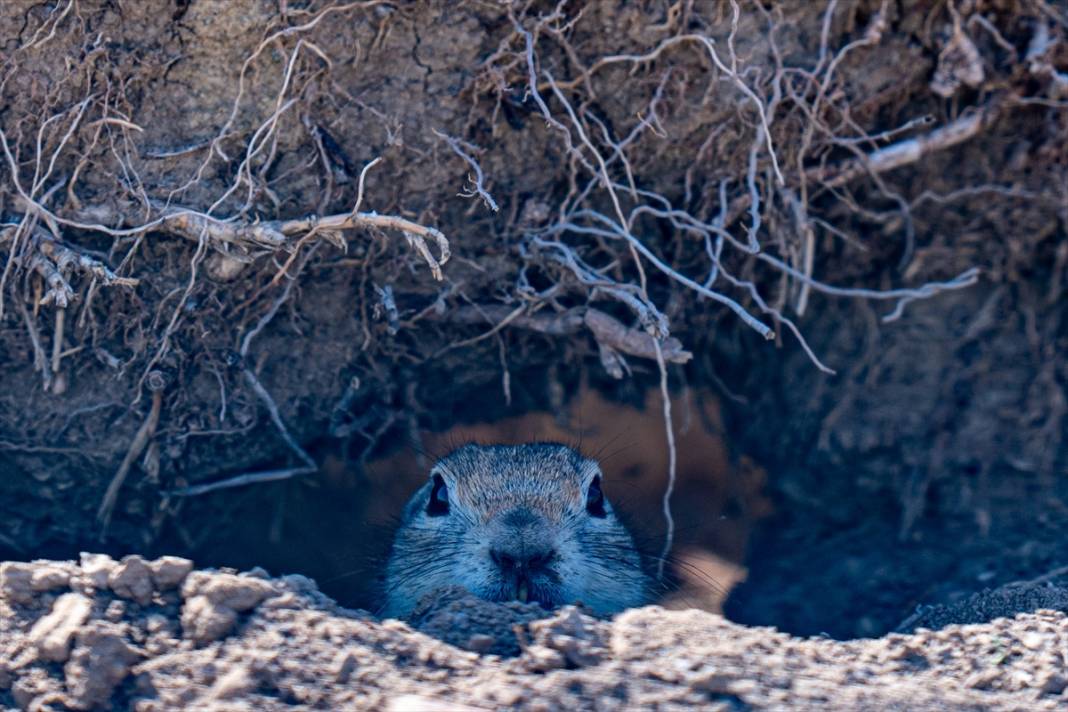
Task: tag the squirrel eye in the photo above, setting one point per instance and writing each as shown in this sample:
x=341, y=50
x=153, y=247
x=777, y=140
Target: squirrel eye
x=439, y=498
x=595, y=499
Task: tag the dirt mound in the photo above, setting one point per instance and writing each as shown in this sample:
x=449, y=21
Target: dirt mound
x=157, y=635
x=247, y=246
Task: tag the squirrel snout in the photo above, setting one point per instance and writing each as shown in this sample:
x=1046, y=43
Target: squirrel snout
x=523, y=561
x=522, y=568
x=520, y=546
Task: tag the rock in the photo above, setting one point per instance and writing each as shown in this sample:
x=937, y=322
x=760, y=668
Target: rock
x=538, y=658
x=35, y=683
x=241, y=593
x=96, y=568
x=115, y=611
x=1005, y=601
x=344, y=666
x=222, y=268
x=301, y=584
x=235, y=683
x=15, y=582
x=170, y=571
x=132, y=579
x=1053, y=684
x=204, y=621
x=286, y=599
x=711, y=680
x=575, y=635
x=504, y=695
x=156, y=622
x=100, y=661
x=213, y=600
x=49, y=578
x=53, y=633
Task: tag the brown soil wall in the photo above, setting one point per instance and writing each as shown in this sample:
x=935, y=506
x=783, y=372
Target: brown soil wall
x=765, y=192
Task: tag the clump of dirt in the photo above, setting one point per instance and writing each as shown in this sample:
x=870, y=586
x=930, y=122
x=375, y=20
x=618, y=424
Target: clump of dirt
x=450, y=616
x=157, y=635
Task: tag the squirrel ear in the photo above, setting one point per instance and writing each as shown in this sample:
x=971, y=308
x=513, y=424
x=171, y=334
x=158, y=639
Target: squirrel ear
x=438, y=504
x=595, y=499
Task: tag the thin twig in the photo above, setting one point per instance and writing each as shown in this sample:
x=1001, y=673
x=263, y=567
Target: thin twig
x=250, y=478
x=669, y=519
x=57, y=339
x=137, y=446
x=479, y=188
x=40, y=360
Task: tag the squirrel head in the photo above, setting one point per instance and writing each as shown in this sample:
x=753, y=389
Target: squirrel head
x=515, y=522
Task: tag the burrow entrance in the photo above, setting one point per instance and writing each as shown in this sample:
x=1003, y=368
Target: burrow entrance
x=248, y=237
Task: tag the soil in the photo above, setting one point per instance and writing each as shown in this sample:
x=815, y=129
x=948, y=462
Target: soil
x=189, y=299
x=157, y=635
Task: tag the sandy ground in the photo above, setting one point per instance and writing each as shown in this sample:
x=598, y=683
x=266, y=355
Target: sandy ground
x=159, y=635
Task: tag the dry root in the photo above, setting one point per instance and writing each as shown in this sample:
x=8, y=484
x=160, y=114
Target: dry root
x=613, y=336
x=55, y=262
x=615, y=245
x=606, y=213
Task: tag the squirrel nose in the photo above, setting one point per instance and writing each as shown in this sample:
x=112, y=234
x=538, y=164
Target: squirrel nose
x=522, y=561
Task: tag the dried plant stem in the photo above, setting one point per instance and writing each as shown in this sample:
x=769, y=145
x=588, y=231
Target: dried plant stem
x=669, y=490
x=137, y=446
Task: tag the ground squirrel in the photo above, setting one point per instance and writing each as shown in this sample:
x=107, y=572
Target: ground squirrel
x=515, y=522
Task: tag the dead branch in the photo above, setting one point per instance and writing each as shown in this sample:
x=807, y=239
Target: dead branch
x=68, y=258
x=606, y=330
x=276, y=418
x=614, y=333
x=561, y=324
x=196, y=225
x=55, y=261
x=272, y=234
x=416, y=234
x=910, y=150
x=191, y=225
